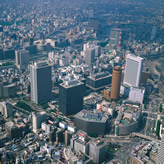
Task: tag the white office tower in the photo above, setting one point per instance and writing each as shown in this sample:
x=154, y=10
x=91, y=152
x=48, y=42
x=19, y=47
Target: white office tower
x=41, y=83
x=92, y=46
x=37, y=120
x=22, y=58
x=136, y=94
x=6, y=109
x=90, y=56
x=90, y=51
x=133, y=70
x=160, y=159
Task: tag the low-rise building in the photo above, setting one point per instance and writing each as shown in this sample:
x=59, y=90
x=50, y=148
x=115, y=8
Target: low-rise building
x=80, y=142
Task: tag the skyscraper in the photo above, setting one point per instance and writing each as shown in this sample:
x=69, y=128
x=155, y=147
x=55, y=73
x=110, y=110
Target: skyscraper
x=115, y=37
x=22, y=58
x=41, y=84
x=133, y=70
x=89, y=56
x=90, y=51
x=71, y=97
x=116, y=82
x=6, y=109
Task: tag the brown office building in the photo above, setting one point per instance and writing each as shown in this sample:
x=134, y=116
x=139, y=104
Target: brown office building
x=116, y=82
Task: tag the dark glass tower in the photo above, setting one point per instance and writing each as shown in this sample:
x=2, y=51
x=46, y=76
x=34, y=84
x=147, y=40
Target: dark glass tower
x=71, y=97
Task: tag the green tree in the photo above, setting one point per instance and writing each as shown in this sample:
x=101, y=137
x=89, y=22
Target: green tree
x=44, y=105
x=158, y=128
x=24, y=106
x=160, y=108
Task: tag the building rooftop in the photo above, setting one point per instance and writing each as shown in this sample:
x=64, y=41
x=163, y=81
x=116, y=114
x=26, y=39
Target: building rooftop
x=40, y=64
x=128, y=113
x=98, y=142
x=71, y=83
x=99, y=76
x=10, y=85
x=144, y=150
x=132, y=56
x=90, y=116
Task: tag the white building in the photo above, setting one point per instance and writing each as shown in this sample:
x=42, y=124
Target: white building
x=90, y=51
x=133, y=70
x=71, y=128
x=46, y=127
x=89, y=56
x=136, y=94
x=6, y=109
x=63, y=125
x=37, y=120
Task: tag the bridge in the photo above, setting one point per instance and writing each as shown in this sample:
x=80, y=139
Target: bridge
x=142, y=136
x=117, y=141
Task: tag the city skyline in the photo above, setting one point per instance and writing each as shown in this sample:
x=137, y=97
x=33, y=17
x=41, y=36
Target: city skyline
x=81, y=81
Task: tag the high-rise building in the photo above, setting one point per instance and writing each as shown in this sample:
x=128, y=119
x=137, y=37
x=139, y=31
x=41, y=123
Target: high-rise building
x=133, y=70
x=71, y=97
x=136, y=94
x=22, y=58
x=115, y=37
x=90, y=50
x=41, y=83
x=37, y=120
x=90, y=56
x=9, y=90
x=116, y=82
x=161, y=151
x=99, y=80
x=97, y=151
x=6, y=109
